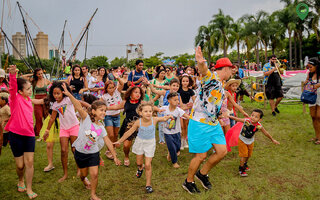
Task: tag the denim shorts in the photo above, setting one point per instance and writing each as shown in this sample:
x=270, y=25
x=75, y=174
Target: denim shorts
x=110, y=120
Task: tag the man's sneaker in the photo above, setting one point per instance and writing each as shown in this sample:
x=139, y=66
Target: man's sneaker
x=190, y=187
x=204, y=179
x=277, y=110
x=274, y=113
x=243, y=173
x=246, y=167
x=149, y=189
x=139, y=173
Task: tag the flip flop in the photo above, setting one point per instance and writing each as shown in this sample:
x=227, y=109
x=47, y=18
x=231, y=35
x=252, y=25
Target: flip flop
x=313, y=140
x=32, y=196
x=48, y=170
x=109, y=155
x=21, y=189
x=87, y=183
x=317, y=142
x=126, y=163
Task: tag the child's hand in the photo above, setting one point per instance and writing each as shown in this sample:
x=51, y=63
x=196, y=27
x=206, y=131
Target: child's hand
x=12, y=69
x=246, y=114
x=117, y=143
x=275, y=141
x=170, y=117
x=46, y=135
x=117, y=161
x=65, y=90
x=161, y=110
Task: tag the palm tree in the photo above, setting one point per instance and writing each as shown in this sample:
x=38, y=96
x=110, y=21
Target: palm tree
x=314, y=25
x=288, y=17
x=257, y=25
x=205, y=40
x=237, y=36
x=222, y=24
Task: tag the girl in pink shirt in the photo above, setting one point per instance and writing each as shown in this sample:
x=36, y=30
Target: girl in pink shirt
x=20, y=127
x=69, y=123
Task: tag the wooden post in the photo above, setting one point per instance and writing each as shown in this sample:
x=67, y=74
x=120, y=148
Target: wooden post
x=251, y=93
x=265, y=96
x=303, y=104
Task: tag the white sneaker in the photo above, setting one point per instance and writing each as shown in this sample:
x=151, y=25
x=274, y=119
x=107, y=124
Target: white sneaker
x=182, y=144
x=186, y=144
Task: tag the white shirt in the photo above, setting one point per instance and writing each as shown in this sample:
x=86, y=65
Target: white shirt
x=172, y=126
x=112, y=100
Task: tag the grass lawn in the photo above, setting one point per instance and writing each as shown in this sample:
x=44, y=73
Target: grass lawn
x=286, y=171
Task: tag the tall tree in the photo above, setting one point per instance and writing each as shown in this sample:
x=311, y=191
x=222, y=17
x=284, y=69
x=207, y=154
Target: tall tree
x=288, y=17
x=222, y=23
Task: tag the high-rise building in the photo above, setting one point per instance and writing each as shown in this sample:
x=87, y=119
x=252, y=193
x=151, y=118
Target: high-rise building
x=41, y=44
x=19, y=41
x=1, y=44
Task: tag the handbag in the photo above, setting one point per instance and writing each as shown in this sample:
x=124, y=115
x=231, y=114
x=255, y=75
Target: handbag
x=309, y=94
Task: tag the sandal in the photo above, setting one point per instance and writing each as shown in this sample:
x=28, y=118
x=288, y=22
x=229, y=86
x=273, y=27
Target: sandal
x=317, y=142
x=32, y=195
x=101, y=163
x=109, y=155
x=126, y=162
x=313, y=140
x=48, y=169
x=21, y=189
x=87, y=183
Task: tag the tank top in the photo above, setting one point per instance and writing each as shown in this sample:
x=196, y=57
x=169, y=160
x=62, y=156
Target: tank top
x=147, y=133
x=77, y=83
x=40, y=90
x=131, y=110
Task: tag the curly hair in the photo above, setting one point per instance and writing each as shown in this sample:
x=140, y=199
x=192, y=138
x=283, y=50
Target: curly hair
x=130, y=90
x=57, y=84
x=94, y=106
x=186, y=76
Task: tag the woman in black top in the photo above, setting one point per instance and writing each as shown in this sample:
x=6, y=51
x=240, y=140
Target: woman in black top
x=77, y=82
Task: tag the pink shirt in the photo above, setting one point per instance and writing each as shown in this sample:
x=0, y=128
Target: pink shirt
x=21, y=120
x=3, y=86
x=67, y=115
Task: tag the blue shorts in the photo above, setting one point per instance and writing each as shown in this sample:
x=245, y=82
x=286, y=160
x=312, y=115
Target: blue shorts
x=77, y=96
x=201, y=136
x=112, y=121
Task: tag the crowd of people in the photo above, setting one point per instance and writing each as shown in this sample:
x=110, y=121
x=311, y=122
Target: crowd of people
x=195, y=108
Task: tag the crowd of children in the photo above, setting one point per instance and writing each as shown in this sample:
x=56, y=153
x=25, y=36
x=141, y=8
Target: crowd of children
x=88, y=117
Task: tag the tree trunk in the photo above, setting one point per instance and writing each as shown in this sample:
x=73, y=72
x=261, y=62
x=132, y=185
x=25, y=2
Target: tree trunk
x=295, y=50
x=257, y=54
x=224, y=48
x=265, y=51
x=290, y=49
x=300, y=50
x=209, y=57
x=238, y=51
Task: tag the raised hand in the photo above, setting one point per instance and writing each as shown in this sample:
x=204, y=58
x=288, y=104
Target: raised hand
x=12, y=69
x=199, y=56
x=65, y=90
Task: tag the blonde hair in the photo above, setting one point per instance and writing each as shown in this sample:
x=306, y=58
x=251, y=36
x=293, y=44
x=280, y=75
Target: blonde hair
x=144, y=104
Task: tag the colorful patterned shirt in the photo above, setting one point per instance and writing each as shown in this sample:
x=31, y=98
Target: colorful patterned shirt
x=266, y=67
x=208, y=103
